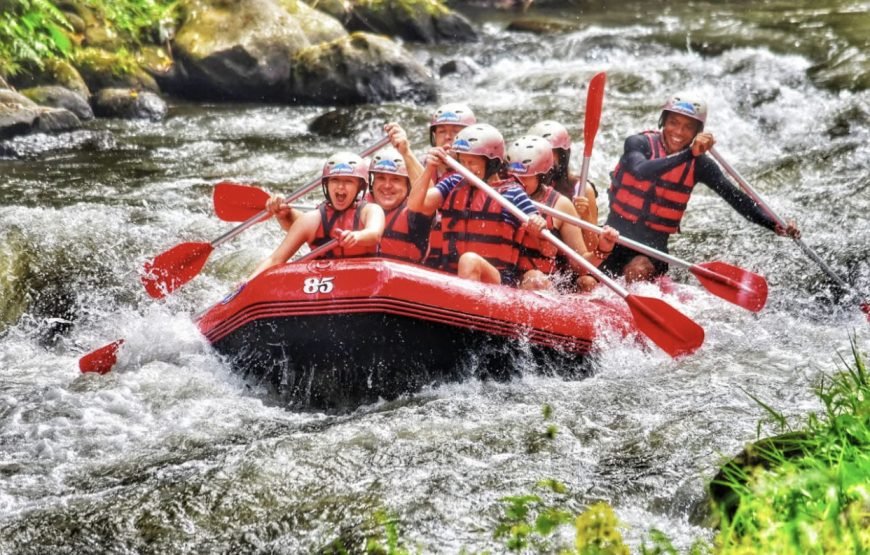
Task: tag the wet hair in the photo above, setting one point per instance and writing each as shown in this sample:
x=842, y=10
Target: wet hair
x=560, y=178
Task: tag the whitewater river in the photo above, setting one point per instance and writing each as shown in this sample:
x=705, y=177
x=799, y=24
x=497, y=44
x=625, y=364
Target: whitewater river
x=173, y=453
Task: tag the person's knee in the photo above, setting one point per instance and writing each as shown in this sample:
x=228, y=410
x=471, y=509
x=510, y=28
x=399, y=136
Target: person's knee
x=586, y=283
x=535, y=280
x=469, y=266
x=638, y=269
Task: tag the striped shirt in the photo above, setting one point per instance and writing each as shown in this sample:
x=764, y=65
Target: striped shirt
x=513, y=193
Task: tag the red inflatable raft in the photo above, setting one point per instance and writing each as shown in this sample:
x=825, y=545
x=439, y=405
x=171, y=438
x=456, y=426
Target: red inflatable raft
x=332, y=334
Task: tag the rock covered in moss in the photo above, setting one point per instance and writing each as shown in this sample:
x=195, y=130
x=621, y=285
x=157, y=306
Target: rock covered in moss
x=55, y=96
x=357, y=69
x=428, y=21
x=128, y=104
x=102, y=69
x=54, y=72
x=242, y=50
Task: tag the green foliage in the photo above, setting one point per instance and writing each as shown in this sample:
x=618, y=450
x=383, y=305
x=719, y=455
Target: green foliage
x=390, y=543
x=33, y=31
x=30, y=32
x=816, y=498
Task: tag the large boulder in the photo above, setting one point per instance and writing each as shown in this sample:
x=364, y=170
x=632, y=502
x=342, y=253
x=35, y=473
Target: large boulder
x=357, y=69
x=102, y=69
x=243, y=49
x=129, y=104
x=56, y=96
x=54, y=72
x=428, y=21
x=19, y=116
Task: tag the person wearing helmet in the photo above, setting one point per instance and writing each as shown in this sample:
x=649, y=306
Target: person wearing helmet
x=585, y=204
x=480, y=237
x=655, y=178
x=356, y=224
x=406, y=233
x=530, y=160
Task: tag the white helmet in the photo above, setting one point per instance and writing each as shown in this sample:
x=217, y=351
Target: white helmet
x=481, y=139
x=389, y=161
x=455, y=113
x=529, y=155
x=554, y=132
x=344, y=164
x=686, y=105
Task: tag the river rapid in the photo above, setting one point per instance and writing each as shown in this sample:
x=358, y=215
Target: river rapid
x=171, y=452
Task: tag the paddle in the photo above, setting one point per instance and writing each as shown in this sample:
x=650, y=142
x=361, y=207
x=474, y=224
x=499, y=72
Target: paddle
x=594, y=100
x=668, y=328
x=865, y=306
x=103, y=359
x=234, y=202
x=736, y=285
x=168, y=271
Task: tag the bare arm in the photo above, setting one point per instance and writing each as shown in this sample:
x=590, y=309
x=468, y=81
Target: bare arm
x=399, y=140
x=302, y=231
x=373, y=227
x=424, y=197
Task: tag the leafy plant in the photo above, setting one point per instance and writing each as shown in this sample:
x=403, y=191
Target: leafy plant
x=30, y=32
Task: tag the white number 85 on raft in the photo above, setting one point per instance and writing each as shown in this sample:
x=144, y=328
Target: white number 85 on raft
x=314, y=285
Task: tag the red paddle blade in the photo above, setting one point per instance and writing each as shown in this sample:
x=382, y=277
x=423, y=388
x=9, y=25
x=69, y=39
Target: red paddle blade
x=170, y=270
x=594, y=100
x=237, y=203
x=102, y=360
x=667, y=327
x=865, y=307
x=735, y=285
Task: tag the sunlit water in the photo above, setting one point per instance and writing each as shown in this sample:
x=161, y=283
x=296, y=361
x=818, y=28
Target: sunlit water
x=171, y=452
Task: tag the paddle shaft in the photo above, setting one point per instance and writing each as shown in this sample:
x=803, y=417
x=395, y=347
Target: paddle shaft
x=779, y=221
x=523, y=217
x=294, y=196
x=633, y=245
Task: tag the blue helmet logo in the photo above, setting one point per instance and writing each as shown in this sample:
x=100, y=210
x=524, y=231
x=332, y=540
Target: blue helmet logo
x=341, y=169
x=518, y=167
x=447, y=117
x=386, y=165
x=686, y=107
x=461, y=145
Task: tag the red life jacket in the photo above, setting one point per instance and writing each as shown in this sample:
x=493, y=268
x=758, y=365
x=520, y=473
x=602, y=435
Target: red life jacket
x=659, y=204
x=396, y=241
x=330, y=219
x=530, y=257
x=473, y=222
x=435, y=258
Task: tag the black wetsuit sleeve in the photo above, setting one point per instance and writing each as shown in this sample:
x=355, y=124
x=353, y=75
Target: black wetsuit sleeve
x=636, y=159
x=708, y=173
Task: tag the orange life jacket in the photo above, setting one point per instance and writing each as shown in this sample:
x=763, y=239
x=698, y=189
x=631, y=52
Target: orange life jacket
x=659, y=204
x=330, y=219
x=396, y=241
x=473, y=222
x=530, y=258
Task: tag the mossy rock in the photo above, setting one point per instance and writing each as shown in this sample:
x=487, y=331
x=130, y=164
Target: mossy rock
x=129, y=104
x=15, y=261
x=55, y=96
x=95, y=31
x=358, y=69
x=428, y=21
x=242, y=50
x=54, y=72
x=102, y=69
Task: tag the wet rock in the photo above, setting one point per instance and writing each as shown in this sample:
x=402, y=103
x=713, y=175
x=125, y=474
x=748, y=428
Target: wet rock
x=343, y=122
x=456, y=67
x=54, y=72
x=20, y=116
x=544, y=25
x=56, y=96
x=849, y=69
x=428, y=21
x=102, y=69
x=129, y=104
x=243, y=50
x=357, y=69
